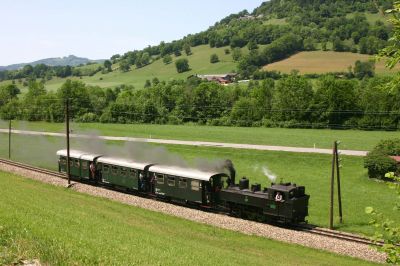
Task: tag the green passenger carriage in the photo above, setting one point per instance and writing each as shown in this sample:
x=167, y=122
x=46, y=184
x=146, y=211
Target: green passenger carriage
x=123, y=173
x=79, y=163
x=186, y=184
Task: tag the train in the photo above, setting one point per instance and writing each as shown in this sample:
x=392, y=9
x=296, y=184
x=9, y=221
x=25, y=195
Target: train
x=209, y=189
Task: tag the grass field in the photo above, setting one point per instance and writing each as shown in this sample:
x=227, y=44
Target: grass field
x=62, y=227
x=311, y=170
x=322, y=138
x=322, y=62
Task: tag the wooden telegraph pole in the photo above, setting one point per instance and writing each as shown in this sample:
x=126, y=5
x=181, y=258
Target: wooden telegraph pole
x=67, y=135
x=9, y=139
x=338, y=181
x=332, y=186
x=335, y=166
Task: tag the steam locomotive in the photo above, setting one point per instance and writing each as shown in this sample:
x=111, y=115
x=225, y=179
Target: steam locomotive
x=216, y=190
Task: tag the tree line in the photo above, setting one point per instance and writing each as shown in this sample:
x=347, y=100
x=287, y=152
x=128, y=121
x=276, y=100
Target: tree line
x=292, y=101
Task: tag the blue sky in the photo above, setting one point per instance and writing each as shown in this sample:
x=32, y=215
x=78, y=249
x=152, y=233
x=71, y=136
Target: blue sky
x=33, y=30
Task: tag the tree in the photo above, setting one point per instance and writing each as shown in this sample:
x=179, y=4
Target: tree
x=7, y=93
x=147, y=84
x=167, y=59
x=214, y=59
x=252, y=45
x=107, y=64
x=292, y=99
x=309, y=44
x=392, y=51
x=236, y=54
x=227, y=51
x=338, y=45
x=182, y=65
x=187, y=49
x=245, y=112
x=124, y=66
x=155, y=81
x=332, y=100
x=364, y=69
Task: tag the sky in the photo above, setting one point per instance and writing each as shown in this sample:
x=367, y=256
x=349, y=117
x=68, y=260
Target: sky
x=97, y=29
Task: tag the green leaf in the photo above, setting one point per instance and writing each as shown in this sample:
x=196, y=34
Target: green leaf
x=369, y=210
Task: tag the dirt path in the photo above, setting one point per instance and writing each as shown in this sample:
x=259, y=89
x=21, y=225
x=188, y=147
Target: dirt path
x=196, y=143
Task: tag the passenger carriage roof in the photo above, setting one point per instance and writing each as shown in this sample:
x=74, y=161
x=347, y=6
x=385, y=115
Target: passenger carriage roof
x=185, y=172
x=78, y=154
x=90, y=157
x=72, y=153
x=123, y=162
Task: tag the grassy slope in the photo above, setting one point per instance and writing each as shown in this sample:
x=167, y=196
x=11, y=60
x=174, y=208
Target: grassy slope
x=322, y=138
x=199, y=61
x=63, y=227
x=322, y=62
x=312, y=171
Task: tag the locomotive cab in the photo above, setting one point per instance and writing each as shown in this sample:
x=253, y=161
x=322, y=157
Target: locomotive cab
x=288, y=201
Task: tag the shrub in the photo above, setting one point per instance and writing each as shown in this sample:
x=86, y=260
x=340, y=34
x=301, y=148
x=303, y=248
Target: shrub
x=87, y=118
x=214, y=59
x=378, y=161
x=182, y=65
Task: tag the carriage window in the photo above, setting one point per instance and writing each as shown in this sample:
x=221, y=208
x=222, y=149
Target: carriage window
x=124, y=172
x=106, y=168
x=171, y=181
x=160, y=179
x=84, y=165
x=182, y=182
x=63, y=161
x=114, y=170
x=71, y=163
x=77, y=163
x=132, y=172
x=195, y=184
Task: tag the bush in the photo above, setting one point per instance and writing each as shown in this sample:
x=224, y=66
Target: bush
x=378, y=164
x=182, y=65
x=378, y=161
x=87, y=118
x=214, y=59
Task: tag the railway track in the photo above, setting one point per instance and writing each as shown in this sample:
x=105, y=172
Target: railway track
x=306, y=228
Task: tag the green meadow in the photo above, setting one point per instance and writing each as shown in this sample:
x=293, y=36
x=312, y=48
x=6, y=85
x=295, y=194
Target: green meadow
x=58, y=226
x=311, y=170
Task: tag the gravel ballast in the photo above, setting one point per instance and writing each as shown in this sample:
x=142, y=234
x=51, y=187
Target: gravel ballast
x=338, y=246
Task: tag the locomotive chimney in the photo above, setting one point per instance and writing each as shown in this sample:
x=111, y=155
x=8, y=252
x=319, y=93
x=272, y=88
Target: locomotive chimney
x=232, y=171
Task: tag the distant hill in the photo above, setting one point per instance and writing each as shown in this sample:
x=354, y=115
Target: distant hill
x=70, y=60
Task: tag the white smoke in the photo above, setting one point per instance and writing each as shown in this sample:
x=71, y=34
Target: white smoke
x=271, y=176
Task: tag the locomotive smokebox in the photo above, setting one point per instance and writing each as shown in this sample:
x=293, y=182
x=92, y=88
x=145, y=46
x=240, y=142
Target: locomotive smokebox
x=232, y=171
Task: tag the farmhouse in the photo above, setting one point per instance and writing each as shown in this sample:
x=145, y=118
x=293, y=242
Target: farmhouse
x=220, y=78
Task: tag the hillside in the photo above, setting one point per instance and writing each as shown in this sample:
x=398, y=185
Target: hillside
x=273, y=32
x=199, y=63
x=319, y=62
x=70, y=60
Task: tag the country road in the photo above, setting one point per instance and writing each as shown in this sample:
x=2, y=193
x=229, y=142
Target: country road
x=195, y=143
